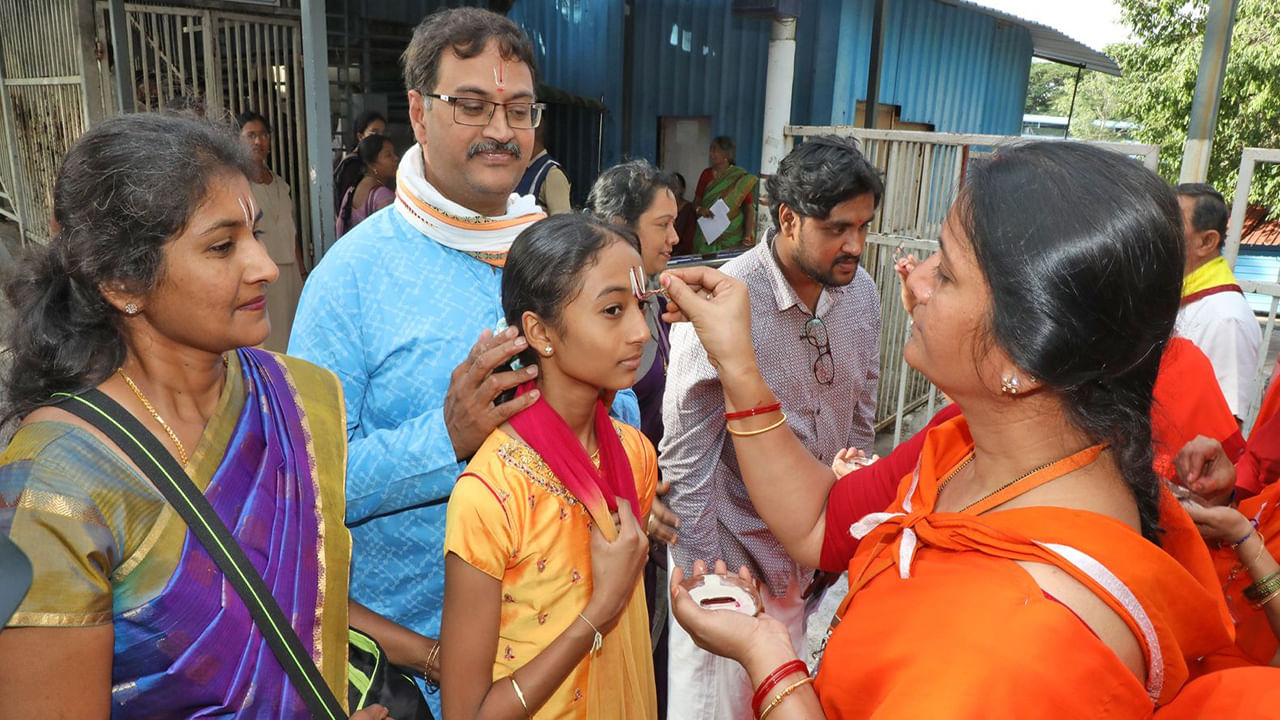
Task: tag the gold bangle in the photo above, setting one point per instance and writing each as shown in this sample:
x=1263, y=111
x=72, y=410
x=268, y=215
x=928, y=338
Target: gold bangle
x=1259, y=604
x=1262, y=547
x=432, y=656
x=519, y=694
x=783, y=696
x=1263, y=587
x=761, y=431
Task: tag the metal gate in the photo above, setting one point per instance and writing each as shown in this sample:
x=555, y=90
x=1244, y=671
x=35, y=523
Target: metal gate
x=233, y=62
x=57, y=72
x=48, y=92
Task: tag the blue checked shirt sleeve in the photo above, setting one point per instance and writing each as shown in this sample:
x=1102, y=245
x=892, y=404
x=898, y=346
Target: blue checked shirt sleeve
x=387, y=469
x=626, y=408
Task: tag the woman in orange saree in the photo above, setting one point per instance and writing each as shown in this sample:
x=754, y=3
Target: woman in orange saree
x=1018, y=572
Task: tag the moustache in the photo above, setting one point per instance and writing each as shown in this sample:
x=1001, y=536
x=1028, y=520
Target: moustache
x=491, y=146
x=856, y=260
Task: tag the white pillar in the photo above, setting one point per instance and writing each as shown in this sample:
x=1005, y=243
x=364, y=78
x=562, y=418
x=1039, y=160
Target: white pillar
x=1204, y=104
x=777, y=92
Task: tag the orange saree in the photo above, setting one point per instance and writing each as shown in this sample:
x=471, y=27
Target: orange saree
x=941, y=621
x=1256, y=643
x=1187, y=402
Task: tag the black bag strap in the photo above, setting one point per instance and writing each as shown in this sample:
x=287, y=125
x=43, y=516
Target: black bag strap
x=160, y=467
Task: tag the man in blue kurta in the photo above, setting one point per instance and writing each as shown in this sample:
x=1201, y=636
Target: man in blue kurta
x=395, y=308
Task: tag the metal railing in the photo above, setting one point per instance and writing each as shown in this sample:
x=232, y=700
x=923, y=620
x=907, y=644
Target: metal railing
x=47, y=69
x=922, y=171
x=1250, y=158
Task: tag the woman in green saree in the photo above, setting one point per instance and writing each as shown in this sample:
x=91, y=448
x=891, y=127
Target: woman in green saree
x=736, y=187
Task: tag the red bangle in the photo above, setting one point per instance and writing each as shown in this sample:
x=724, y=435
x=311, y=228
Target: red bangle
x=763, y=409
x=771, y=682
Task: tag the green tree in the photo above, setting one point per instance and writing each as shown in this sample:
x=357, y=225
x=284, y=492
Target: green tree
x=1159, y=81
x=1049, y=82
x=1099, y=112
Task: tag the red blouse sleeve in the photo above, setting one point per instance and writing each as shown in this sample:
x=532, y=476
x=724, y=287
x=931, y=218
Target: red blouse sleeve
x=870, y=489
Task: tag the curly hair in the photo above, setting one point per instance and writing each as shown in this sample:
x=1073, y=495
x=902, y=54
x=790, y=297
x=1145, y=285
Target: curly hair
x=819, y=174
x=623, y=192
x=467, y=32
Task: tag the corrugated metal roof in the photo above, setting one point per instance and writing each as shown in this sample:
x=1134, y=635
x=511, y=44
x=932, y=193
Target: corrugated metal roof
x=1260, y=229
x=1049, y=43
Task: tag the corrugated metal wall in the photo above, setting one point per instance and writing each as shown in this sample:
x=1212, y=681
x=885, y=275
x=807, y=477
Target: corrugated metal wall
x=578, y=44
x=408, y=12
x=697, y=58
x=690, y=58
x=952, y=68
x=955, y=69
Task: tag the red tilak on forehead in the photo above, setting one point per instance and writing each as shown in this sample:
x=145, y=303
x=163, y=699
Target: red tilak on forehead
x=498, y=79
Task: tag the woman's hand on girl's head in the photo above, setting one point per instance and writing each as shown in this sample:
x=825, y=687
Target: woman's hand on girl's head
x=615, y=567
x=719, y=307
x=751, y=640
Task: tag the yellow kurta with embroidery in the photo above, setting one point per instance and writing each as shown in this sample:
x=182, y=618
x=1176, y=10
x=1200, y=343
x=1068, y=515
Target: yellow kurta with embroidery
x=512, y=519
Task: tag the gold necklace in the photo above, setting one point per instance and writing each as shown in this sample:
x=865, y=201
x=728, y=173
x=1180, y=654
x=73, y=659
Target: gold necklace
x=182, y=451
x=1012, y=482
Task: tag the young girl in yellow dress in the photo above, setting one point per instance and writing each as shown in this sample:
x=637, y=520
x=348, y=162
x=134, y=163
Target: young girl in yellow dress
x=544, y=614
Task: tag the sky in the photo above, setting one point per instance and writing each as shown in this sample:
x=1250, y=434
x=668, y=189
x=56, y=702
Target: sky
x=1095, y=23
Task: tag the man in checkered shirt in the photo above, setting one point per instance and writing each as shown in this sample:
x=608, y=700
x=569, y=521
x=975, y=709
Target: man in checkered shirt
x=816, y=328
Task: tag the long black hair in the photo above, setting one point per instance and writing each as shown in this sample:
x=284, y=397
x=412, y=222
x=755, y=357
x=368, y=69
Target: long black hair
x=126, y=187
x=1082, y=249
x=249, y=116
x=363, y=120
x=352, y=169
x=544, y=267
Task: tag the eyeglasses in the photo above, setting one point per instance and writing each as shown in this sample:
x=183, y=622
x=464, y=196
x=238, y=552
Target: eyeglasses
x=824, y=368
x=479, y=113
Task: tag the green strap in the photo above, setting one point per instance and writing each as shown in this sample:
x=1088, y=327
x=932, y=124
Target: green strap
x=140, y=446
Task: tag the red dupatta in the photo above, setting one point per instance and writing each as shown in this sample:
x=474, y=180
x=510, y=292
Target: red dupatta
x=597, y=488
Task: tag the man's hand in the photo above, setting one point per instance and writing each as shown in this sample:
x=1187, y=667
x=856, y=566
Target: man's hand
x=662, y=523
x=469, y=412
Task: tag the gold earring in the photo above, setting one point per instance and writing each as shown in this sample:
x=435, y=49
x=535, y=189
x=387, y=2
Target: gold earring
x=1010, y=385
x=130, y=309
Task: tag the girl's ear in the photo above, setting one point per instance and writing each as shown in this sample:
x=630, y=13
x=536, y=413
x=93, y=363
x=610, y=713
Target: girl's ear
x=536, y=333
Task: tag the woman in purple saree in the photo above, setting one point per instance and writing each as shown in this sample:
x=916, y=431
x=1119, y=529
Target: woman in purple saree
x=151, y=292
